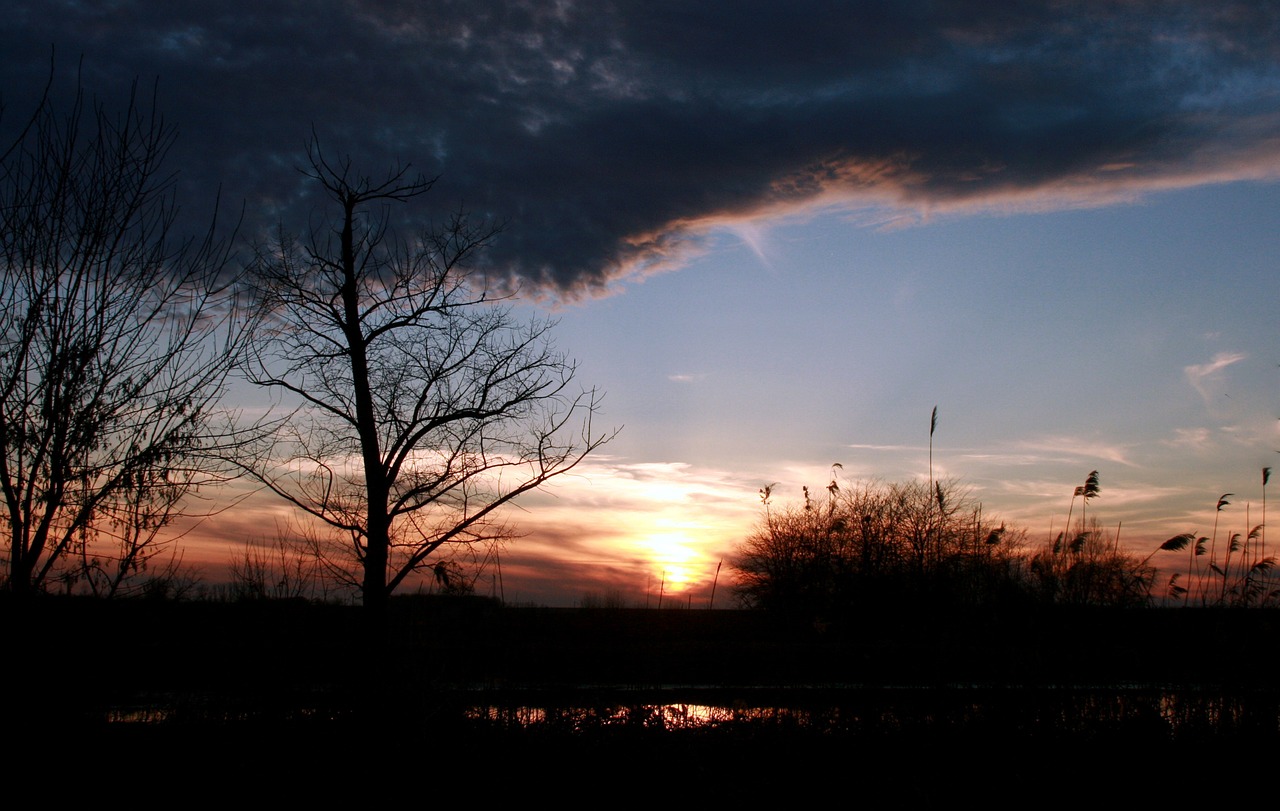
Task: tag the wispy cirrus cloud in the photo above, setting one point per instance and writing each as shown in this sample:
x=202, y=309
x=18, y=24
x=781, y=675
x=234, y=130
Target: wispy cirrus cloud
x=886, y=448
x=1196, y=439
x=1067, y=448
x=1205, y=377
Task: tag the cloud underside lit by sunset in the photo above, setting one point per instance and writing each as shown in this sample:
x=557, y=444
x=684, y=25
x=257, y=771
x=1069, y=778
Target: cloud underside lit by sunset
x=777, y=235
x=640, y=128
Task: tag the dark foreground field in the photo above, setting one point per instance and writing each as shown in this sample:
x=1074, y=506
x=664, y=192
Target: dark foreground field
x=923, y=707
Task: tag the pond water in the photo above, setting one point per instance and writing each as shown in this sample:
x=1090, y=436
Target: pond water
x=1154, y=711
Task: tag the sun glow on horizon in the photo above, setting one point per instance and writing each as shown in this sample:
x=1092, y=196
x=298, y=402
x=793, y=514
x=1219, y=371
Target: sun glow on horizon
x=674, y=560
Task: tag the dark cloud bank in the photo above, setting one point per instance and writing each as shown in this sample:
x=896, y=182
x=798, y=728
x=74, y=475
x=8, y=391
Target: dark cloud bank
x=609, y=137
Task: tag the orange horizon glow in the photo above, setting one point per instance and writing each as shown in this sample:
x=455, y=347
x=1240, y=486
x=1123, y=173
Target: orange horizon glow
x=650, y=533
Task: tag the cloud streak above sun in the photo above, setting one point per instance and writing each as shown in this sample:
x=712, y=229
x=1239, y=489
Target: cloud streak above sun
x=1204, y=377
x=614, y=140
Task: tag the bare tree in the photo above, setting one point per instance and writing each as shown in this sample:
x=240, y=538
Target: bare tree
x=115, y=342
x=424, y=404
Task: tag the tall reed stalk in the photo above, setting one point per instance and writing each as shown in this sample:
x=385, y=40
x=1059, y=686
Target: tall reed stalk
x=1266, y=477
x=1213, y=547
x=1090, y=490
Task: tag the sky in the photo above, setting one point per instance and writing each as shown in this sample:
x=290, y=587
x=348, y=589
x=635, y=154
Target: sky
x=778, y=235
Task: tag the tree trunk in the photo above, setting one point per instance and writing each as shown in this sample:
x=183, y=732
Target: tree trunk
x=377, y=523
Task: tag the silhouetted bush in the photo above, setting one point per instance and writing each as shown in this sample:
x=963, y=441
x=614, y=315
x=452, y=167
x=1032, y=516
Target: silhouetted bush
x=873, y=542
x=1090, y=569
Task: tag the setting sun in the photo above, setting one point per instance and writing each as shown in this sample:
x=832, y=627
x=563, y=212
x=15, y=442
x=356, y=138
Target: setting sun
x=674, y=560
